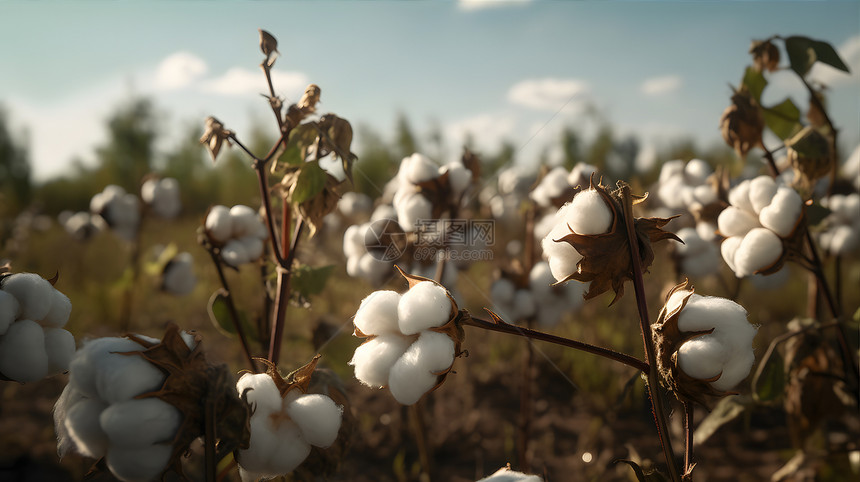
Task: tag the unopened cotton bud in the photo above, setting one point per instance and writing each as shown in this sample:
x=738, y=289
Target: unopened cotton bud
x=83, y=427
x=139, y=464
x=34, y=294
x=60, y=347
x=9, y=309
x=373, y=359
x=377, y=314
x=22, y=352
x=318, y=417
x=137, y=423
x=219, y=223
x=425, y=305
x=416, y=372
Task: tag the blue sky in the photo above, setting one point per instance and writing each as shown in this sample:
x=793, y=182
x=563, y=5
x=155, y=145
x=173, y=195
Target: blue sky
x=519, y=70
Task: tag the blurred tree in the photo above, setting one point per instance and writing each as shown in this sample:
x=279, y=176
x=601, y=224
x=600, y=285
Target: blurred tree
x=600, y=148
x=624, y=152
x=187, y=163
x=129, y=151
x=15, y=184
x=571, y=146
x=490, y=164
x=405, y=142
x=376, y=164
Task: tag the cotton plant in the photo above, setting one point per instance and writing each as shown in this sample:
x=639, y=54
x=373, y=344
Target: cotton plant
x=841, y=233
x=696, y=257
x=177, y=277
x=423, y=186
x=119, y=209
x=535, y=296
x=759, y=225
x=552, y=188
x=506, y=474
x=238, y=232
x=81, y=225
x=161, y=195
x=363, y=262
x=411, y=339
x=33, y=342
x=704, y=344
x=285, y=422
x=689, y=188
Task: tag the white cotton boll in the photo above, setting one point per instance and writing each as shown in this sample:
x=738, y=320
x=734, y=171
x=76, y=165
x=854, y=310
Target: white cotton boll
x=377, y=313
x=22, y=352
x=544, y=226
x=692, y=243
x=514, y=180
x=507, y=475
x=736, y=222
x=739, y=196
x=34, y=294
x=61, y=308
x=540, y=279
x=458, y=177
x=91, y=357
x=141, y=464
x=178, y=278
x=555, y=182
x=67, y=399
x=83, y=427
x=425, y=305
x=736, y=369
x=667, y=192
x=373, y=359
x=588, y=213
x=729, y=248
x=234, y=253
x=9, y=309
x=353, y=204
x=353, y=240
x=292, y=449
x=523, y=305
x=261, y=392
x=60, y=348
x=707, y=231
x=702, y=357
x=262, y=444
x=671, y=169
x=540, y=196
x=704, y=194
x=245, y=220
x=562, y=257
x=418, y=168
x=123, y=377
x=697, y=171
x=706, y=312
x=353, y=266
x=124, y=211
x=414, y=374
x=782, y=213
x=580, y=174
x=253, y=247
x=502, y=291
x=137, y=423
x=413, y=209
x=759, y=249
x=318, y=417
x=761, y=192
x=168, y=203
x=219, y=223
x=384, y=211
x=843, y=240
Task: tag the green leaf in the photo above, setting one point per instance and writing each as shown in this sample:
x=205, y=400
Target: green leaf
x=755, y=83
x=219, y=313
x=300, y=139
x=310, y=182
x=728, y=409
x=783, y=119
x=769, y=380
x=803, y=52
x=156, y=266
x=310, y=281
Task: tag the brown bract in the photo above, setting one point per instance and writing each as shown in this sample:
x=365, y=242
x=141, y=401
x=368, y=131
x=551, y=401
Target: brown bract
x=742, y=123
x=808, y=151
x=606, y=260
x=668, y=338
x=198, y=390
x=765, y=55
x=214, y=136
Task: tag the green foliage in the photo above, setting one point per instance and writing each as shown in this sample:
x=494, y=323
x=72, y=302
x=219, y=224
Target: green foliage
x=128, y=154
x=308, y=281
x=15, y=186
x=769, y=381
x=803, y=52
x=754, y=82
x=783, y=119
x=310, y=182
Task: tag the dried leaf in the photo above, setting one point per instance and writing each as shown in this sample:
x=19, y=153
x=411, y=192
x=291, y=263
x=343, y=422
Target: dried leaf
x=269, y=46
x=214, y=136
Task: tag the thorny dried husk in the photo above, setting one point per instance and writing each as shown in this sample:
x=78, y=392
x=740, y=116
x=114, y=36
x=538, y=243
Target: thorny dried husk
x=198, y=390
x=606, y=260
x=765, y=55
x=742, y=123
x=809, y=153
x=214, y=136
x=668, y=338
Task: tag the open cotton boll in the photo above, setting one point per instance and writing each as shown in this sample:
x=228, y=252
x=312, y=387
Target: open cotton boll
x=9, y=309
x=84, y=429
x=138, y=464
x=668, y=193
x=92, y=356
x=555, y=182
x=588, y=213
x=353, y=268
x=414, y=208
x=759, y=249
x=246, y=221
x=34, y=294
x=261, y=392
x=781, y=215
x=706, y=312
x=262, y=445
x=253, y=247
x=61, y=308
x=697, y=171
x=739, y=196
x=123, y=377
x=523, y=305
x=373, y=359
x=736, y=222
x=219, y=223
x=414, y=374
x=562, y=257
x=735, y=370
x=671, y=169
x=353, y=240
x=425, y=305
x=728, y=248
x=22, y=352
x=137, y=423
x=377, y=313
x=292, y=449
x=458, y=177
x=761, y=192
x=60, y=348
x=318, y=417
x=507, y=475
x=706, y=230
x=702, y=357
x=418, y=168
x=234, y=253
x=384, y=211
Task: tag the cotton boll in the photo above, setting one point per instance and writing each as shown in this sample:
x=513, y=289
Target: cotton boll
x=414, y=374
x=138, y=464
x=736, y=369
x=261, y=392
x=61, y=308
x=555, y=182
x=147, y=190
x=354, y=204
x=291, y=450
x=91, y=357
x=702, y=357
x=706, y=230
x=353, y=268
x=83, y=427
x=262, y=444
x=377, y=313
x=705, y=312
x=34, y=294
x=458, y=177
x=253, y=247
x=384, y=211
x=318, y=417
x=413, y=209
x=739, y=196
x=219, y=223
x=540, y=279
x=353, y=240
x=234, y=253
x=588, y=213
x=502, y=291
x=759, y=249
x=137, y=423
x=60, y=348
x=544, y=226
x=697, y=171
x=245, y=220
x=562, y=257
x=704, y=194
x=22, y=352
x=761, y=192
x=523, y=305
x=671, y=169
x=178, y=277
x=122, y=377
x=418, y=168
x=728, y=249
x=9, y=309
x=844, y=240
x=507, y=475
x=67, y=399
x=425, y=305
x=736, y=222
x=782, y=213
x=373, y=359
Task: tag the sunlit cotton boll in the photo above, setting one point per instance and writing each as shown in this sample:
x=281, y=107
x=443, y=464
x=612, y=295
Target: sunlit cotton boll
x=235, y=253
x=246, y=222
x=459, y=177
x=413, y=209
x=758, y=250
x=377, y=313
x=219, y=223
x=416, y=372
x=373, y=359
x=82, y=425
x=97, y=370
x=318, y=417
x=425, y=305
x=417, y=168
x=162, y=196
x=138, y=423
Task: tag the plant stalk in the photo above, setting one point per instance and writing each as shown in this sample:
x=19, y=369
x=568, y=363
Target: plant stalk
x=688, y=437
x=231, y=308
x=283, y=296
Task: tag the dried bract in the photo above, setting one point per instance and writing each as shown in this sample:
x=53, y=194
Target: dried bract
x=215, y=135
x=809, y=153
x=765, y=55
x=742, y=124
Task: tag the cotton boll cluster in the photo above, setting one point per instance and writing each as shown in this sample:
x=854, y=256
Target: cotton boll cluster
x=402, y=351
x=412, y=205
x=81, y=225
x=355, y=206
x=552, y=187
x=841, y=235
x=697, y=256
x=120, y=210
x=33, y=343
x=178, y=277
x=727, y=351
x=505, y=474
x=98, y=414
x=162, y=196
x=239, y=231
x=284, y=429
x=762, y=213
x=586, y=214
x=581, y=174
x=684, y=187
x=360, y=263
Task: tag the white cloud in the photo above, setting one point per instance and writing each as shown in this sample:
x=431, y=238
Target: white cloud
x=241, y=81
x=661, y=85
x=179, y=70
x=472, y=5
x=485, y=130
x=550, y=94
x=831, y=77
